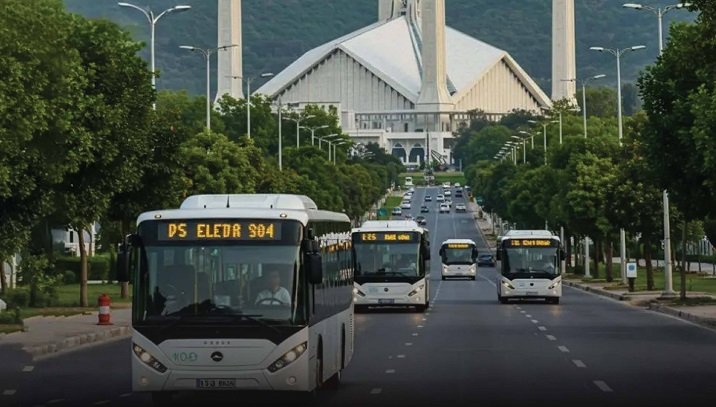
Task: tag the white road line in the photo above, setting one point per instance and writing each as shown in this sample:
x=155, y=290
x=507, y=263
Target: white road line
x=101, y=402
x=55, y=401
x=518, y=307
x=563, y=349
x=408, y=344
x=523, y=312
x=420, y=326
x=401, y=356
x=425, y=319
x=542, y=328
x=9, y=392
x=125, y=395
x=551, y=337
x=534, y=321
x=28, y=368
x=376, y=390
x=390, y=371
x=578, y=363
x=488, y=280
x=415, y=334
x=528, y=316
x=603, y=386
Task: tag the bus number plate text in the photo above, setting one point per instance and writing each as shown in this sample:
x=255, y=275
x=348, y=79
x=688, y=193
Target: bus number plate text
x=216, y=383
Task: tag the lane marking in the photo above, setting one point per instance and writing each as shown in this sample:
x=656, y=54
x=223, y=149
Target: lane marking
x=9, y=392
x=578, y=363
x=518, y=307
x=488, y=280
x=563, y=349
x=420, y=326
x=390, y=371
x=376, y=390
x=534, y=321
x=528, y=316
x=415, y=334
x=99, y=403
x=401, y=356
x=551, y=337
x=542, y=328
x=523, y=312
x=603, y=386
x=408, y=344
x=125, y=395
x=55, y=401
x=28, y=368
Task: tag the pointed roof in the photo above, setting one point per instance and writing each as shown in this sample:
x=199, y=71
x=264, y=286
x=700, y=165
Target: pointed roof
x=391, y=51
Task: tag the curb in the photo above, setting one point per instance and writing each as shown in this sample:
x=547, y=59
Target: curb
x=599, y=291
x=77, y=341
x=664, y=309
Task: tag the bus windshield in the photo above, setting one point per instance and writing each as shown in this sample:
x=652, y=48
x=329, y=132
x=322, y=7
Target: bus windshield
x=463, y=255
x=388, y=260
x=190, y=279
x=531, y=262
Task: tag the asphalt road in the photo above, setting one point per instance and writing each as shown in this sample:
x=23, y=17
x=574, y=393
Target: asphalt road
x=467, y=349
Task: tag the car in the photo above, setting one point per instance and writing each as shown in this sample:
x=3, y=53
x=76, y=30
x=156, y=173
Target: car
x=444, y=208
x=409, y=217
x=449, y=202
x=447, y=193
x=408, y=195
x=457, y=185
x=440, y=198
x=428, y=198
x=486, y=259
x=405, y=205
x=424, y=209
x=421, y=220
x=396, y=211
x=446, y=185
x=411, y=190
x=458, y=194
x=460, y=208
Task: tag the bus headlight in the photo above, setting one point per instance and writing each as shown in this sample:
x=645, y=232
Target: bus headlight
x=507, y=284
x=554, y=285
x=288, y=358
x=148, y=359
x=417, y=290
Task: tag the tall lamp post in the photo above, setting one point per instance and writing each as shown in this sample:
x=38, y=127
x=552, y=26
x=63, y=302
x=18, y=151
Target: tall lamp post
x=544, y=127
x=313, y=132
x=207, y=53
x=248, y=96
x=585, y=82
x=668, y=282
x=298, y=127
x=153, y=22
x=523, y=140
x=530, y=135
x=618, y=54
x=336, y=144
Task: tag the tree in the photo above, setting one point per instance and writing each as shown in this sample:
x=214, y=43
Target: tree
x=118, y=98
x=601, y=101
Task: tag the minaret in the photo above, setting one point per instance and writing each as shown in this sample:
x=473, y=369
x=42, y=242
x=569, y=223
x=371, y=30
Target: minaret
x=230, y=61
x=434, y=95
x=564, y=62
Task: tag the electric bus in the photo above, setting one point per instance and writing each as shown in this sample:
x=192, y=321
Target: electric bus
x=529, y=266
x=240, y=292
x=392, y=264
x=459, y=258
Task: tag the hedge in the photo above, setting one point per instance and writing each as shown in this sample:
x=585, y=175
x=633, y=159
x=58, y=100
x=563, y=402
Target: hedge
x=69, y=268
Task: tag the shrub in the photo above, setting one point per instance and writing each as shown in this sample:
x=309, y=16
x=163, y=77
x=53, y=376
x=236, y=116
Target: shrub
x=18, y=297
x=98, y=267
x=69, y=277
x=11, y=316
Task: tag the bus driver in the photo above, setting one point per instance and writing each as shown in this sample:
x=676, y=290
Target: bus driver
x=275, y=294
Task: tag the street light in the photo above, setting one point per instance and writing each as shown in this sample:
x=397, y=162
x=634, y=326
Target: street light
x=336, y=144
x=585, y=82
x=531, y=136
x=660, y=13
x=544, y=126
x=207, y=53
x=152, y=22
x=618, y=54
x=248, y=96
x=313, y=132
x=524, y=147
x=298, y=127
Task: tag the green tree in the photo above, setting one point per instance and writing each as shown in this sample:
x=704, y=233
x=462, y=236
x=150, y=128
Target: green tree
x=601, y=101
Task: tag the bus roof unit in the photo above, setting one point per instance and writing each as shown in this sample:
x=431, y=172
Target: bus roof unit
x=389, y=226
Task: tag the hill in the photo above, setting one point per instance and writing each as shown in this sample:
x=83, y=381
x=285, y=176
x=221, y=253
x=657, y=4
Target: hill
x=276, y=32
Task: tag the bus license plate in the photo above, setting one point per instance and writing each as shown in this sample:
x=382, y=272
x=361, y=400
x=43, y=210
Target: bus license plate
x=386, y=301
x=216, y=383
x=532, y=293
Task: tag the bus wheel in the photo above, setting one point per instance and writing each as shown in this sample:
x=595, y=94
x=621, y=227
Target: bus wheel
x=502, y=299
x=162, y=399
x=553, y=300
x=421, y=308
x=334, y=381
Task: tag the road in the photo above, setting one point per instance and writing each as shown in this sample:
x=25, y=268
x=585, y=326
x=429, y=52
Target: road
x=466, y=350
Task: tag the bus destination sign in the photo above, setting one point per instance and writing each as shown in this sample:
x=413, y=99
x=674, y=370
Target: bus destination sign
x=194, y=230
x=533, y=243
x=400, y=237
x=458, y=246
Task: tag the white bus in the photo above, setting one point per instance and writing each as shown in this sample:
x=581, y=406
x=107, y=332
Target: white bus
x=392, y=264
x=408, y=181
x=529, y=266
x=240, y=292
x=459, y=258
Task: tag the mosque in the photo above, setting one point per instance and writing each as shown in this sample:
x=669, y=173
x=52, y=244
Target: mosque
x=407, y=82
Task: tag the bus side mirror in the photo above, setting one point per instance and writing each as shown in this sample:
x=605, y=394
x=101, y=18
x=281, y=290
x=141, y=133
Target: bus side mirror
x=123, y=263
x=314, y=265
x=426, y=252
x=497, y=254
x=562, y=255
x=475, y=253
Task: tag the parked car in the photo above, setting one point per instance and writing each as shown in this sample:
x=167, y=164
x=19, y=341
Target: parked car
x=397, y=211
x=444, y=208
x=486, y=259
x=424, y=209
x=421, y=220
x=460, y=208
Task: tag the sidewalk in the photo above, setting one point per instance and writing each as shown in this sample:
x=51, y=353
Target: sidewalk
x=483, y=225
x=704, y=315
x=45, y=335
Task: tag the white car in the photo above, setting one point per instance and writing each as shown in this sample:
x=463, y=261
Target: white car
x=446, y=185
x=448, y=193
x=457, y=185
x=444, y=208
x=440, y=198
x=460, y=208
x=448, y=202
x=396, y=211
x=405, y=205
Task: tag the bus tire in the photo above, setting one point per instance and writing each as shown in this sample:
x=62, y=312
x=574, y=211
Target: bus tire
x=502, y=299
x=162, y=399
x=444, y=278
x=421, y=308
x=553, y=300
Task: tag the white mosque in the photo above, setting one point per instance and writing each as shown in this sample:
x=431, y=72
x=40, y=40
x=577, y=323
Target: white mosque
x=408, y=81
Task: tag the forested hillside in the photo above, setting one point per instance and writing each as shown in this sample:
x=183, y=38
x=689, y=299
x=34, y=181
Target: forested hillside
x=276, y=32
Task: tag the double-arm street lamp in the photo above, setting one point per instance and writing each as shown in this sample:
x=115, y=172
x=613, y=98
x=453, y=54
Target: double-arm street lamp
x=152, y=22
x=524, y=147
x=660, y=13
x=298, y=119
x=531, y=136
x=313, y=132
x=544, y=129
x=618, y=54
x=207, y=53
x=585, y=82
x=248, y=95
x=336, y=144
